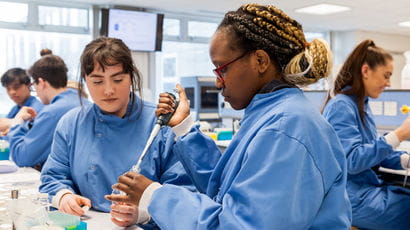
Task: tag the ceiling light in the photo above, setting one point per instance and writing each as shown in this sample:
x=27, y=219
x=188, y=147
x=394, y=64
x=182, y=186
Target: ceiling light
x=405, y=24
x=322, y=9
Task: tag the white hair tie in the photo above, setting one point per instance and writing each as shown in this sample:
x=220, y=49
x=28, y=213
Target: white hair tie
x=309, y=59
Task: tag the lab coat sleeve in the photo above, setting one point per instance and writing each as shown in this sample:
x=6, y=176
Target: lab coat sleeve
x=275, y=187
x=199, y=154
x=29, y=147
x=392, y=161
x=56, y=174
x=37, y=105
x=360, y=156
x=170, y=169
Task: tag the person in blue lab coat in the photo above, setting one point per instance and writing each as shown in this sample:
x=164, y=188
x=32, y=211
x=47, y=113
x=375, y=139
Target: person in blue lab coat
x=95, y=144
x=375, y=203
x=17, y=83
x=284, y=168
x=30, y=145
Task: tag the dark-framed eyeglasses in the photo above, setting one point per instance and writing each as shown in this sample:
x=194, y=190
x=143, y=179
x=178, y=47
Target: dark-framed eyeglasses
x=217, y=71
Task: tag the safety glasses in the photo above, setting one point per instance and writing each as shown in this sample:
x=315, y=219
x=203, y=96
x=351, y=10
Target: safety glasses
x=218, y=70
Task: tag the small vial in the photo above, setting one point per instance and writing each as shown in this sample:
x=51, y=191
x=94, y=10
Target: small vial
x=42, y=199
x=14, y=196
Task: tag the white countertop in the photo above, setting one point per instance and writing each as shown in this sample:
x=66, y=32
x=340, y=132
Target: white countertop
x=27, y=180
x=102, y=221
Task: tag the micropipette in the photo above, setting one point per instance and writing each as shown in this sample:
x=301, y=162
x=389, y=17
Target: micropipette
x=162, y=120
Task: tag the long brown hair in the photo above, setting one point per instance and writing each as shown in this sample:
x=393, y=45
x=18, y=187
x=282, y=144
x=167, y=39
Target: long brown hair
x=351, y=72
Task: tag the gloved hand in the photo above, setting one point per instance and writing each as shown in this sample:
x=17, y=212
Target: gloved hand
x=124, y=215
x=404, y=160
x=71, y=203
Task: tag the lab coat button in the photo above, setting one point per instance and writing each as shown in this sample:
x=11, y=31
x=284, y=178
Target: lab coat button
x=99, y=135
x=101, y=120
x=92, y=167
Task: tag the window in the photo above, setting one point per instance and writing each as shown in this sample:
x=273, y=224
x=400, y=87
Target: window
x=64, y=30
x=169, y=66
x=13, y=12
x=171, y=27
x=22, y=48
x=61, y=16
x=179, y=59
x=185, y=51
x=201, y=29
x=312, y=35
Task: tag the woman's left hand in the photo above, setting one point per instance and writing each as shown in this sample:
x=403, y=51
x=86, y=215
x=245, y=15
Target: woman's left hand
x=124, y=215
x=133, y=184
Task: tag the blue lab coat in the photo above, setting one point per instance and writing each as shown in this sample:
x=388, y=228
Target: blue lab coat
x=91, y=150
x=284, y=169
x=375, y=204
x=30, y=147
x=30, y=102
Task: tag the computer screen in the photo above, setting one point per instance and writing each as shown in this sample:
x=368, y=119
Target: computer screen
x=140, y=31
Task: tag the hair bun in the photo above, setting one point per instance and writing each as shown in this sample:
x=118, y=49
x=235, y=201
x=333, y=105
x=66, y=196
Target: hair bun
x=310, y=65
x=45, y=52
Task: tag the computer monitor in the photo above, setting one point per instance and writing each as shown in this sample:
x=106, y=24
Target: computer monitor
x=140, y=31
x=203, y=96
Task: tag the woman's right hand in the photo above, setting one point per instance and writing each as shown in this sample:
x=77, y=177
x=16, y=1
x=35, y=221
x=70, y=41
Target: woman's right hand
x=166, y=105
x=71, y=204
x=403, y=132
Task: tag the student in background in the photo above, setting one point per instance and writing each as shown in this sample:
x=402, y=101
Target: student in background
x=17, y=83
x=284, y=168
x=375, y=203
x=30, y=147
x=95, y=144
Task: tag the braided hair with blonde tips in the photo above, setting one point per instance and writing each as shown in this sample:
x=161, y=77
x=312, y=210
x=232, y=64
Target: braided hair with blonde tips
x=258, y=27
x=310, y=66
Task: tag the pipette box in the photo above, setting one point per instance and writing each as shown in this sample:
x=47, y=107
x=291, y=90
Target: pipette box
x=224, y=135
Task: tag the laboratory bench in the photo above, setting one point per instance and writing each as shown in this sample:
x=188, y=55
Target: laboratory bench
x=27, y=180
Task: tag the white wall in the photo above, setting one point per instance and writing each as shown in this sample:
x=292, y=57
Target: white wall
x=345, y=41
x=141, y=60
x=5, y=102
x=396, y=45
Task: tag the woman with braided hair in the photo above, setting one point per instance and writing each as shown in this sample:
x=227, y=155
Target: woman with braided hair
x=375, y=203
x=285, y=168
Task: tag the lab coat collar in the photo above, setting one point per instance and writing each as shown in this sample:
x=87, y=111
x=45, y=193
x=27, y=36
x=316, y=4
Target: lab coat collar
x=62, y=95
x=275, y=85
x=272, y=97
